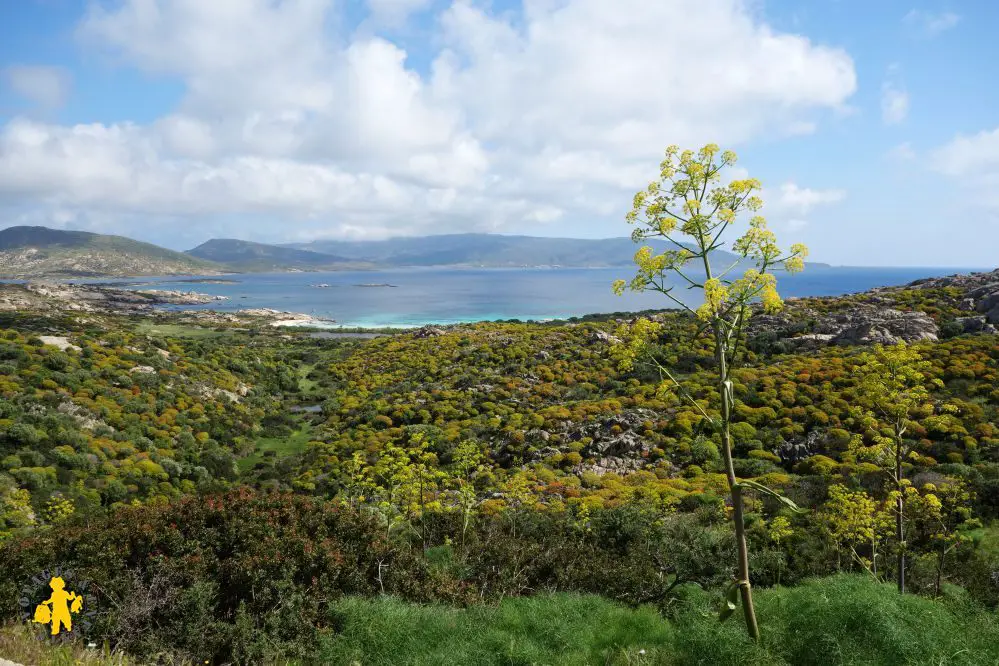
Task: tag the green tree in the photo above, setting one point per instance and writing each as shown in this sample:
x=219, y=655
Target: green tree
x=942, y=514
x=687, y=199
x=892, y=383
x=15, y=508
x=852, y=519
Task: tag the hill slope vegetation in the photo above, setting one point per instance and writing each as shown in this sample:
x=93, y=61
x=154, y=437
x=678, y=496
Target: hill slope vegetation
x=248, y=256
x=39, y=251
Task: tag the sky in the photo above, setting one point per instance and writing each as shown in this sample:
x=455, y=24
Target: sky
x=873, y=126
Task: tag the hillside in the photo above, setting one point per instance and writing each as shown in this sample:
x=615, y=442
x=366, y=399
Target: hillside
x=248, y=256
x=27, y=252
x=492, y=250
x=231, y=466
x=31, y=252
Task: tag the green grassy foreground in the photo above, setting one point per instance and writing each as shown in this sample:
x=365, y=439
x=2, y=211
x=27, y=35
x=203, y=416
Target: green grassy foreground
x=830, y=621
x=839, y=620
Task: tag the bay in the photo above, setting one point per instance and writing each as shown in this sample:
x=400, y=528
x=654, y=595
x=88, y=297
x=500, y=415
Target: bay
x=420, y=296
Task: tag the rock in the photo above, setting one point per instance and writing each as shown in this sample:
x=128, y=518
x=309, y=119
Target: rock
x=60, y=341
x=984, y=291
x=182, y=297
x=808, y=341
x=612, y=464
x=625, y=450
x=143, y=369
x=542, y=355
x=860, y=325
x=988, y=302
x=428, y=332
x=874, y=325
x=603, y=336
x=977, y=324
x=799, y=448
x=82, y=417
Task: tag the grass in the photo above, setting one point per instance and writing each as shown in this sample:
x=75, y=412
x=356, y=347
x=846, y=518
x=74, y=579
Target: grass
x=560, y=629
x=175, y=330
x=838, y=621
x=306, y=385
x=20, y=644
x=282, y=446
x=986, y=540
x=845, y=620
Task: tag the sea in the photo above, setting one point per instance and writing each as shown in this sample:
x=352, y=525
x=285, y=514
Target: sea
x=408, y=297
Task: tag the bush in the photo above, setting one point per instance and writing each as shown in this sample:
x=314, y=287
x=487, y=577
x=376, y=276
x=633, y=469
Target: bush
x=830, y=621
x=241, y=575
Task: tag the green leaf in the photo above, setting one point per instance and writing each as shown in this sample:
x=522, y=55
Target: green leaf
x=731, y=601
x=786, y=501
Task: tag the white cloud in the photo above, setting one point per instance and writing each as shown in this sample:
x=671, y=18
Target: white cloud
x=973, y=163
x=280, y=117
x=894, y=103
x=802, y=200
x=903, y=152
x=790, y=203
x=43, y=85
x=968, y=155
x=395, y=12
x=928, y=23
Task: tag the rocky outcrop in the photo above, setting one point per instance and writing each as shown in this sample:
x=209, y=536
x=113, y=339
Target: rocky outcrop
x=981, y=292
x=60, y=341
x=603, y=336
x=615, y=443
x=986, y=299
x=795, y=450
x=860, y=325
x=429, y=332
x=876, y=325
x=95, y=298
x=979, y=324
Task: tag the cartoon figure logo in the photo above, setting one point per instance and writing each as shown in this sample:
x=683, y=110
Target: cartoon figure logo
x=68, y=609
x=56, y=609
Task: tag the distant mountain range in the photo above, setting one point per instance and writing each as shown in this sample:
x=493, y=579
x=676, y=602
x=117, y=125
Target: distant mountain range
x=249, y=257
x=40, y=251
x=490, y=250
x=27, y=252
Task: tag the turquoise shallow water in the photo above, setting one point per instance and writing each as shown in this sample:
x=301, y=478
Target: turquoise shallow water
x=445, y=295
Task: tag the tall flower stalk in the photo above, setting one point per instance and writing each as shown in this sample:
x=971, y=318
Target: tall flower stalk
x=689, y=202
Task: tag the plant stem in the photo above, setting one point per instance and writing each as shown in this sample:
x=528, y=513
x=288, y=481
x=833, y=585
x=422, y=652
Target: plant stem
x=737, y=509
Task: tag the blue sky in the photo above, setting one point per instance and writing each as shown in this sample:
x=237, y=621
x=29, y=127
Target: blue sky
x=873, y=126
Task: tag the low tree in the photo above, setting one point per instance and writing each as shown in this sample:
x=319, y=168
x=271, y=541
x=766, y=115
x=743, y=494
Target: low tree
x=942, y=516
x=852, y=520
x=891, y=384
x=687, y=200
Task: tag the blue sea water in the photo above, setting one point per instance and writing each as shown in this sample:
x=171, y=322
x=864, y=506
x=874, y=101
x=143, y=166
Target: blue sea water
x=449, y=295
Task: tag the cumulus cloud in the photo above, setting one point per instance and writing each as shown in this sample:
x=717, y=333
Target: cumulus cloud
x=894, y=104
x=968, y=155
x=556, y=113
x=802, y=200
x=973, y=162
x=395, y=12
x=930, y=24
x=903, y=152
x=40, y=84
